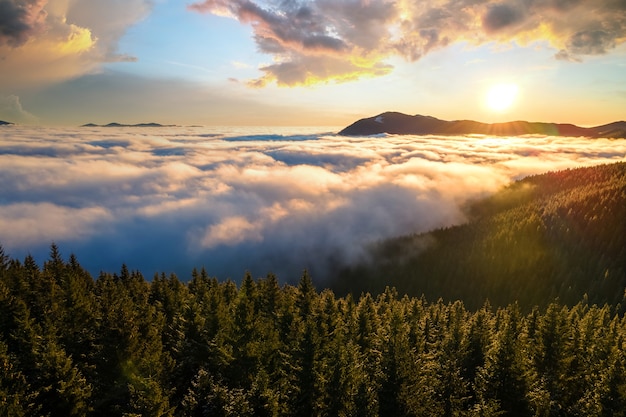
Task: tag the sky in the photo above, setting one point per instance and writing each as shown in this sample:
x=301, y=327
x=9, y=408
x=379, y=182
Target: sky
x=279, y=200
x=309, y=62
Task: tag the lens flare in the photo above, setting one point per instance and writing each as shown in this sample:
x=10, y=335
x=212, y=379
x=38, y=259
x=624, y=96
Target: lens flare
x=501, y=96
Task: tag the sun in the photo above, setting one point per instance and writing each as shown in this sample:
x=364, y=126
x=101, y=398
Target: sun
x=501, y=96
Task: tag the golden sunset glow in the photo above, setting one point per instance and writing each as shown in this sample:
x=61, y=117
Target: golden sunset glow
x=298, y=207
x=79, y=40
x=219, y=62
x=501, y=97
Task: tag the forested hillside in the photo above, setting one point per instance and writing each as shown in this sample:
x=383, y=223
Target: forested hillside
x=123, y=346
x=557, y=235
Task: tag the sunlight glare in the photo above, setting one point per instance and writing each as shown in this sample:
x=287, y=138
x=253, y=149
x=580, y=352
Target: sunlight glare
x=501, y=96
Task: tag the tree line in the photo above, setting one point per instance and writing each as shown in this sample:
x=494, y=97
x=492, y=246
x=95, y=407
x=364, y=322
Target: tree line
x=121, y=345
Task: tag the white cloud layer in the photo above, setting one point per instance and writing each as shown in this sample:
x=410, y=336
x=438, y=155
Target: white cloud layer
x=170, y=199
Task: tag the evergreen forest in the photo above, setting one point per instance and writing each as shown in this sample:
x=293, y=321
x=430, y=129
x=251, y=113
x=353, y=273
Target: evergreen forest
x=560, y=235
x=519, y=312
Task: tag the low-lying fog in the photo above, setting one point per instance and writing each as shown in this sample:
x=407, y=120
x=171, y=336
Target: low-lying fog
x=263, y=200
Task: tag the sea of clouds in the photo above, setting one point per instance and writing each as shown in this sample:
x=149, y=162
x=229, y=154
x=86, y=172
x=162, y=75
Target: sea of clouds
x=234, y=199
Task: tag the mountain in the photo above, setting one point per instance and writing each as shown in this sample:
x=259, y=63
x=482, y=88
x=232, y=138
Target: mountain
x=612, y=130
x=403, y=124
x=556, y=235
x=3, y=123
x=114, y=124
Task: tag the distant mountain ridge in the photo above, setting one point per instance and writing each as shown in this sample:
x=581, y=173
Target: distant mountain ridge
x=404, y=124
x=114, y=124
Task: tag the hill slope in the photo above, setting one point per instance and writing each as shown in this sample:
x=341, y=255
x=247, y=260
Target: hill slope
x=560, y=234
x=403, y=124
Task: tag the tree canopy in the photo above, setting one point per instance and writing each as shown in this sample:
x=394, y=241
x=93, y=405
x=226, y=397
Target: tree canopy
x=123, y=345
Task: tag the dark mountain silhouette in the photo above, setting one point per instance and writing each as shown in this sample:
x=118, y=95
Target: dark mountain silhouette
x=403, y=124
x=612, y=130
x=114, y=124
x=3, y=123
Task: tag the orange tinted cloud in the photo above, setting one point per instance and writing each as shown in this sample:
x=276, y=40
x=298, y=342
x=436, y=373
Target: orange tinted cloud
x=314, y=41
x=46, y=41
x=320, y=40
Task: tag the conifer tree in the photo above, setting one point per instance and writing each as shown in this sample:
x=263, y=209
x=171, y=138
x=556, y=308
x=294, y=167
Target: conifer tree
x=503, y=379
x=396, y=363
x=369, y=356
x=305, y=351
x=477, y=341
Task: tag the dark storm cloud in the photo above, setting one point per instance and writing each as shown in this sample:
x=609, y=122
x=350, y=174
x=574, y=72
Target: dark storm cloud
x=592, y=42
x=170, y=199
x=19, y=19
x=500, y=16
x=339, y=40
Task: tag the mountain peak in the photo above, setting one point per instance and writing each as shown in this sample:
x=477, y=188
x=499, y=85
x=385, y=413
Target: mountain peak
x=403, y=124
x=115, y=124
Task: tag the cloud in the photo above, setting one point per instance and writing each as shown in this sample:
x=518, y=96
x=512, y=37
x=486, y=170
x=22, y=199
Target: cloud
x=25, y=223
x=108, y=21
x=305, y=70
x=231, y=231
x=11, y=110
x=591, y=42
x=313, y=41
x=563, y=55
x=298, y=26
x=338, y=40
x=67, y=38
x=170, y=199
x=19, y=19
x=500, y=16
